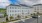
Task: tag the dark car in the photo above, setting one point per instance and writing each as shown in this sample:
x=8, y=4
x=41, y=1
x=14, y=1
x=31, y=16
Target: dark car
x=34, y=16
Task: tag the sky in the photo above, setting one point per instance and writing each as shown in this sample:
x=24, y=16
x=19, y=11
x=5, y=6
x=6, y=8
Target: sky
x=4, y=3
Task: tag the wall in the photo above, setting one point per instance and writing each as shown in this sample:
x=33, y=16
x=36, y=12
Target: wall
x=38, y=8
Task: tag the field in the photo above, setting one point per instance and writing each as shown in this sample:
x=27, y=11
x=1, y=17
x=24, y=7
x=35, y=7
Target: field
x=2, y=10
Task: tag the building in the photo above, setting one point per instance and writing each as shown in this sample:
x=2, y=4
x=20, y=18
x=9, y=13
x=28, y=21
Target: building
x=2, y=18
x=15, y=10
x=38, y=8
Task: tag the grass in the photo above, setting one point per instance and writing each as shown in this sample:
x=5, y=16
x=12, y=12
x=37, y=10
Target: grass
x=3, y=22
x=2, y=10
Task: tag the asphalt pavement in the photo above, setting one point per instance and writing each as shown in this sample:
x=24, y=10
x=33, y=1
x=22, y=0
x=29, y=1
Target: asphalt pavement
x=32, y=20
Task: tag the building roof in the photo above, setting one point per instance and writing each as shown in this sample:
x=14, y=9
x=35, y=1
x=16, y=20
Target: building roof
x=21, y=5
x=37, y=4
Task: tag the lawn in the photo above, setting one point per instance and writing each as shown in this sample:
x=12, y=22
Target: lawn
x=2, y=10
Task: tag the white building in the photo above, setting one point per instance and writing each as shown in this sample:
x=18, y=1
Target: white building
x=38, y=8
x=14, y=10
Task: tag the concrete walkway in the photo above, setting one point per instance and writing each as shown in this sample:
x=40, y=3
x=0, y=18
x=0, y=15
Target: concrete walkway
x=19, y=20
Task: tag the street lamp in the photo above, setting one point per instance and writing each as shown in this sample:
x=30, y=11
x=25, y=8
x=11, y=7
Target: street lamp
x=37, y=16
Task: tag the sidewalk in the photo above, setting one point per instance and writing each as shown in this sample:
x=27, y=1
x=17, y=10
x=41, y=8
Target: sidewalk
x=25, y=19
x=19, y=20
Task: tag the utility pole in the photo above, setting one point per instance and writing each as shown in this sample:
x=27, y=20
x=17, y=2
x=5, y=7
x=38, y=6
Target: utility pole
x=37, y=16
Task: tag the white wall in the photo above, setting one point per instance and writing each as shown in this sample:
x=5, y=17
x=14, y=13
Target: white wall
x=38, y=8
x=21, y=10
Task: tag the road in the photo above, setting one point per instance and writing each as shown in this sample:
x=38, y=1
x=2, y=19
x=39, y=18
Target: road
x=32, y=20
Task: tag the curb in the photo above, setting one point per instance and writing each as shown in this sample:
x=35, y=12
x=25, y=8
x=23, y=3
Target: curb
x=14, y=21
x=25, y=19
x=28, y=18
x=19, y=20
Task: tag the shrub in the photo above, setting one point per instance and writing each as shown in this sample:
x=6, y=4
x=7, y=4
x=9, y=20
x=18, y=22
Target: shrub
x=26, y=16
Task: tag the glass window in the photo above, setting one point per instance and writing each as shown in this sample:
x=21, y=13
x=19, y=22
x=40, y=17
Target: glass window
x=24, y=11
x=15, y=10
x=35, y=8
x=10, y=7
x=10, y=14
x=12, y=10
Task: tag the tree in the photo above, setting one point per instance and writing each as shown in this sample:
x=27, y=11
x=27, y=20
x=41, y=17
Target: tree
x=34, y=14
x=31, y=14
x=26, y=17
x=11, y=17
x=18, y=17
x=5, y=15
x=37, y=12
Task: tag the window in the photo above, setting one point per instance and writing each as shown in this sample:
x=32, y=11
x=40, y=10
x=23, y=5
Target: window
x=15, y=10
x=18, y=10
x=35, y=8
x=24, y=11
x=10, y=7
x=12, y=10
x=12, y=14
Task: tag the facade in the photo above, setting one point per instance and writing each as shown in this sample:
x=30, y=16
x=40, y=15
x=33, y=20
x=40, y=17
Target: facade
x=15, y=10
x=38, y=8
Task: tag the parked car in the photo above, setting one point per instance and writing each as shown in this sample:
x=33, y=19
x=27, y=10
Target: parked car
x=34, y=16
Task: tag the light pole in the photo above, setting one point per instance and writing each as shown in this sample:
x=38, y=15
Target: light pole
x=37, y=16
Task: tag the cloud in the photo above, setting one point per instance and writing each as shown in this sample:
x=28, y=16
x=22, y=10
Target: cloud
x=30, y=2
x=4, y=3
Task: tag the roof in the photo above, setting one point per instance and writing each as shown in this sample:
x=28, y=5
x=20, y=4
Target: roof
x=37, y=4
x=21, y=5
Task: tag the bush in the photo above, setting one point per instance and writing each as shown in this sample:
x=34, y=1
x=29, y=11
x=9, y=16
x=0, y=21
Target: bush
x=11, y=17
x=26, y=17
x=18, y=16
x=5, y=15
